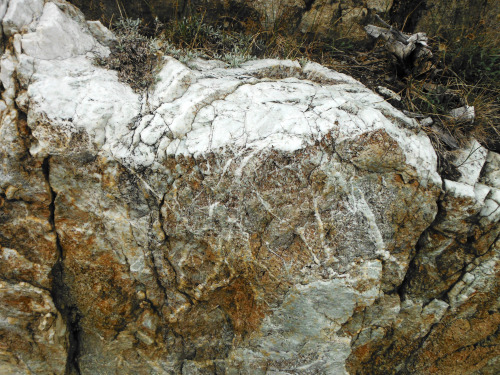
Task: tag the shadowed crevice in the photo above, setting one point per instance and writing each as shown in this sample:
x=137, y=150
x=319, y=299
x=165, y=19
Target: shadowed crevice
x=60, y=292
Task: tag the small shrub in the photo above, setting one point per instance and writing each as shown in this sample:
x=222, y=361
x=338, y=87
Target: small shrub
x=134, y=55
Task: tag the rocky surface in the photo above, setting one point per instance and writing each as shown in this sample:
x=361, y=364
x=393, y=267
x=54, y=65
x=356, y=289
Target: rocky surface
x=269, y=219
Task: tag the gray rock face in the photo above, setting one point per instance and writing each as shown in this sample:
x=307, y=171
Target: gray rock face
x=270, y=219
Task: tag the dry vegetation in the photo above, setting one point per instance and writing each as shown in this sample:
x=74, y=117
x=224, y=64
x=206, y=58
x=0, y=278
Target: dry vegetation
x=465, y=71
x=134, y=55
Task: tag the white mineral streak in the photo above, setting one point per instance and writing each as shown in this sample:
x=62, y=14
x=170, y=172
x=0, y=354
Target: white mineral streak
x=468, y=196
x=79, y=98
x=479, y=279
x=490, y=212
x=77, y=108
x=193, y=112
x=3, y=9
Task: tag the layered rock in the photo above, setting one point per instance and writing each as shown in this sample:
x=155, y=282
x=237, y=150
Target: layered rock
x=267, y=219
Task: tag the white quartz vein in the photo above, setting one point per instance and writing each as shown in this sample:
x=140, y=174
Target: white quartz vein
x=197, y=112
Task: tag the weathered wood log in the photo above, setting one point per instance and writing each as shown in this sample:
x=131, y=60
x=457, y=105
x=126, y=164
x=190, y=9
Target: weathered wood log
x=444, y=136
x=411, y=51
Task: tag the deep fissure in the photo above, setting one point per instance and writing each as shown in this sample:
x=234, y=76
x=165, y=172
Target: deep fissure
x=60, y=291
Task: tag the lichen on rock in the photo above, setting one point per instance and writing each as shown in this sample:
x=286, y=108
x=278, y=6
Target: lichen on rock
x=265, y=219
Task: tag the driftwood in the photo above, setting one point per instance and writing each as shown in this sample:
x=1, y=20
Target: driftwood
x=438, y=131
x=444, y=136
x=411, y=51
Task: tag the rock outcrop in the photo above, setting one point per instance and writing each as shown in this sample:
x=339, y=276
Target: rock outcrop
x=267, y=219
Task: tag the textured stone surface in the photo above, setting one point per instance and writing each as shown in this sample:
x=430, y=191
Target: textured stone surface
x=33, y=334
x=19, y=14
x=270, y=219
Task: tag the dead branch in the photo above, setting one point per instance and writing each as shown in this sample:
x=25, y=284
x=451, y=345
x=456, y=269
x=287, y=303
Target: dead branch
x=411, y=51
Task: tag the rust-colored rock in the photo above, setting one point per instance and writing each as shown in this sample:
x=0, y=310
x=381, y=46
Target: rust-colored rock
x=265, y=219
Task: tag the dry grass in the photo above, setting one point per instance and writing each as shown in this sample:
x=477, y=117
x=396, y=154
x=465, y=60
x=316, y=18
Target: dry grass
x=134, y=56
x=467, y=73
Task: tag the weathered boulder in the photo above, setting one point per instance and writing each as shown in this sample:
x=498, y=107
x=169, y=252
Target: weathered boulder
x=267, y=219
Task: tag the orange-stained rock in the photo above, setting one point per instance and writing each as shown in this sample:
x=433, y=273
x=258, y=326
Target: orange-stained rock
x=265, y=219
